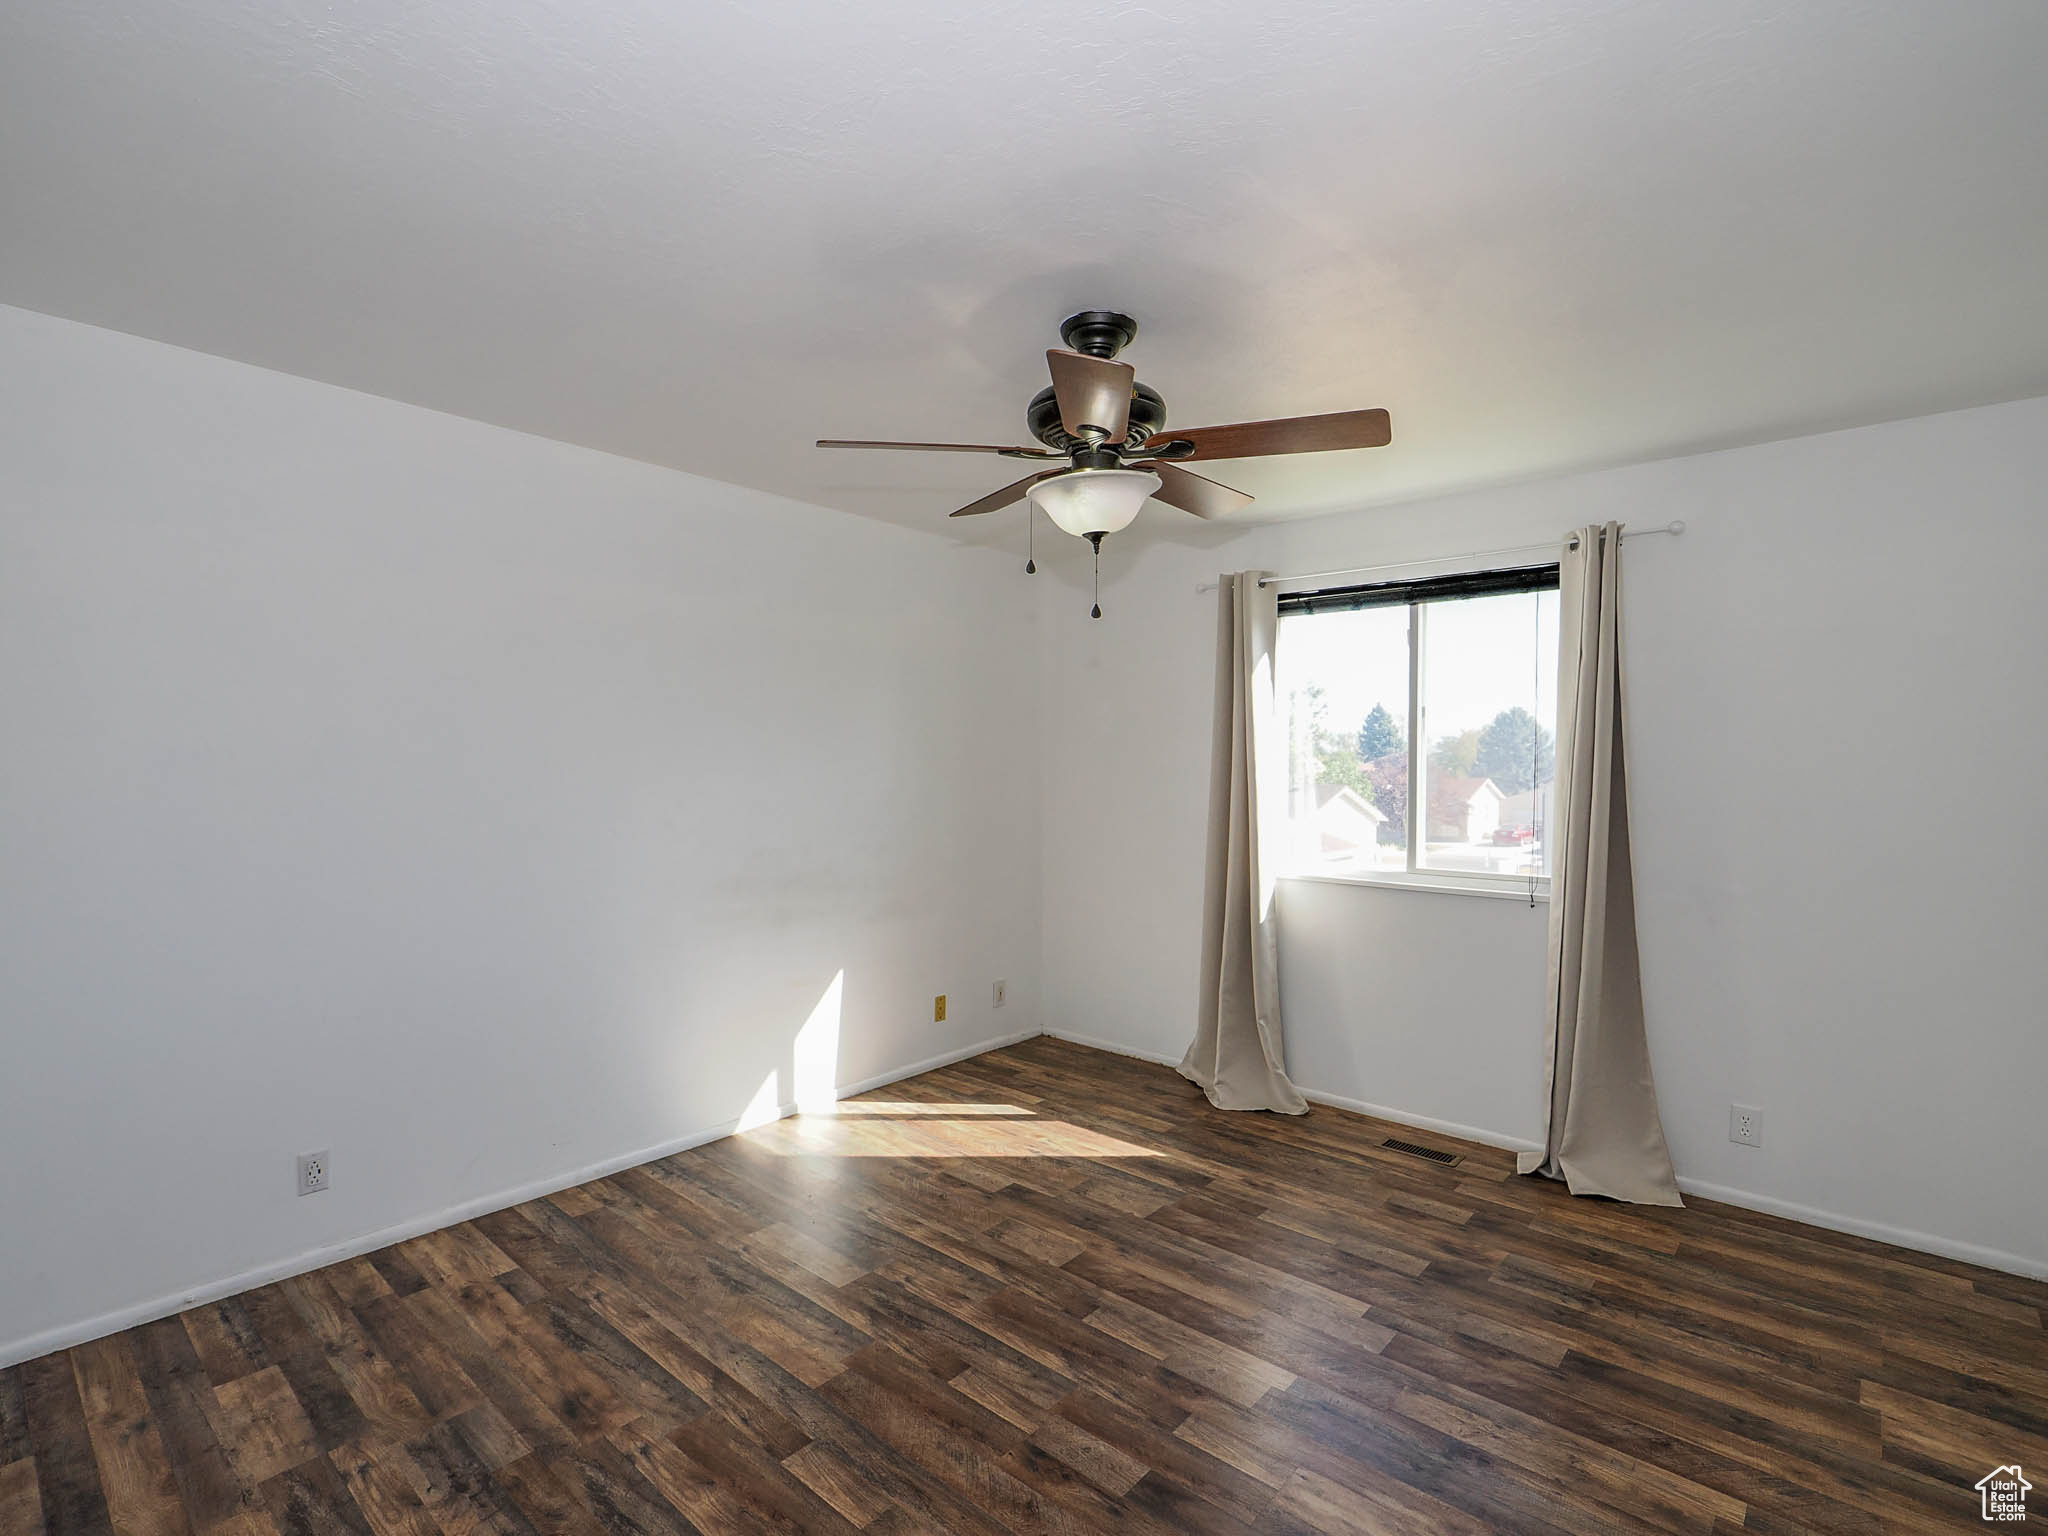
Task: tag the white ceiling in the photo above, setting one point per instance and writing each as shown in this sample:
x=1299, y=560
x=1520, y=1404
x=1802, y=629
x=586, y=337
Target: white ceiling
x=1546, y=234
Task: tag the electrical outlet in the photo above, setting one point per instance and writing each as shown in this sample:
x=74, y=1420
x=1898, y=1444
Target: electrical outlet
x=312, y=1172
x=1746, y=1125
x=939, y=1009
x=1002, y=993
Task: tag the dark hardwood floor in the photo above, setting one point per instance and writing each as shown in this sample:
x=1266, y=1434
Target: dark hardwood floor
x=1051, y=1290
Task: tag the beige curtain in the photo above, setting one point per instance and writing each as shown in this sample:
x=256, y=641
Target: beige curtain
x=1603, y=1136
x=1237, y=1056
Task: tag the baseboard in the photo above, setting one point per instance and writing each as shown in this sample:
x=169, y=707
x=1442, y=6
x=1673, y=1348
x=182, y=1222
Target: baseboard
x=33, y=1346
x=1111, y=1046
x=1334, y=1100
x=929, y=1064
x=50, y=1340
x=1876, y=1231
x=1485, y=1138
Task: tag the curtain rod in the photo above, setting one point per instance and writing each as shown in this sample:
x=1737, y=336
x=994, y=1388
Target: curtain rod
x=1675, y=526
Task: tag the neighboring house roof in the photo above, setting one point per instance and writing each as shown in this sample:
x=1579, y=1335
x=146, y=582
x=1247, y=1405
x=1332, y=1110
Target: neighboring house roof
x=1447, y=789
x=1347, y=824
x=1349, y=798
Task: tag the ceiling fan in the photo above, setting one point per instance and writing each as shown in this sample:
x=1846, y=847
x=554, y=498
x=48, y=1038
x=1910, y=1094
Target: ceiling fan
x=1107, y=432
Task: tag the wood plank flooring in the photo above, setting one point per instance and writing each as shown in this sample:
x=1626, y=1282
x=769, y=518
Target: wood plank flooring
x=1050, y=1290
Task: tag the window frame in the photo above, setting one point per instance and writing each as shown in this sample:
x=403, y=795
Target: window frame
x=1417, y=595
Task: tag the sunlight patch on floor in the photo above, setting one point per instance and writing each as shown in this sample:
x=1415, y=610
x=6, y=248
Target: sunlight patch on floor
x=979, y=1136
x=911, y=1108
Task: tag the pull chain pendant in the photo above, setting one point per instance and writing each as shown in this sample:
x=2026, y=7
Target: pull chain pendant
x=1096, y=540
x=1030, y=533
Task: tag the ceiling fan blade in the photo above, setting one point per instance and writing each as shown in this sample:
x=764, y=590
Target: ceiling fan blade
x=1014, y=453
x=1192, y=493
x=1094, y=393
x=1295, y=434
x=995, y=501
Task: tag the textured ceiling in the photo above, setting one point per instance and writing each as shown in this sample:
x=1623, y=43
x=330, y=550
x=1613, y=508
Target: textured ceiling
x=1546, y=234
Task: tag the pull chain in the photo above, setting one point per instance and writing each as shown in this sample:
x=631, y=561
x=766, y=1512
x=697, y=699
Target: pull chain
x=1096, y=540
x=1030, y=533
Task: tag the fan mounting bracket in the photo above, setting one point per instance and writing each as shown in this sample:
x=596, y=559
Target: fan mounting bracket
x=1098, y=332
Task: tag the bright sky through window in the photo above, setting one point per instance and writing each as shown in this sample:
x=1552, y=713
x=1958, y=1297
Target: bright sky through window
x=1481, y=660
x=1456, y=781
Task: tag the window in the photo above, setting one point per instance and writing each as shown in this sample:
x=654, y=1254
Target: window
x=1420, y=727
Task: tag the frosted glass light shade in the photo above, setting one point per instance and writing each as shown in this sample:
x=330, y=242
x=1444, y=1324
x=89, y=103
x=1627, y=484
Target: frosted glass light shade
x=1085, y=501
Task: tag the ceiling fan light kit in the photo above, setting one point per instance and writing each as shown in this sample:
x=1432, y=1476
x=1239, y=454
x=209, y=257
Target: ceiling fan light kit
x=1094, y=501
x=1111, y=431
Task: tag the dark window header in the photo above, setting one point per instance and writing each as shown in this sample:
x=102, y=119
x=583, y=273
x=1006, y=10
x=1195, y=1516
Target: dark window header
x=1388, y=594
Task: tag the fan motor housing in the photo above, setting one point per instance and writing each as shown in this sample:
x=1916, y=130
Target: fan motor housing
x=1042, y=419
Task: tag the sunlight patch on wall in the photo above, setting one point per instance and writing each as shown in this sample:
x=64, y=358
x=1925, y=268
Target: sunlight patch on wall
x=815, y=1055
x=766, y=1105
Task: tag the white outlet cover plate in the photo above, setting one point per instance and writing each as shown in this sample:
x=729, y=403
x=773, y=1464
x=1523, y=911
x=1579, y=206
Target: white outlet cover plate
x=1738, y=1115
x=1002, y=992
x=313, y=1172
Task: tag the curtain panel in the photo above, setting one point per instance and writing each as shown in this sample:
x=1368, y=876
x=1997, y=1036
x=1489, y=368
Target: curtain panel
x=1603, y=1135
x=1237, y=1055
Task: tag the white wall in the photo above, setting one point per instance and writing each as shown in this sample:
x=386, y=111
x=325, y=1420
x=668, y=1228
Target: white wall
x=477, y=808
x=1445, y=981
x=485, y=810
x=1840, y=656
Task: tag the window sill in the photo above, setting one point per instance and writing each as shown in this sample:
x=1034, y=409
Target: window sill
x=1442, y=885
